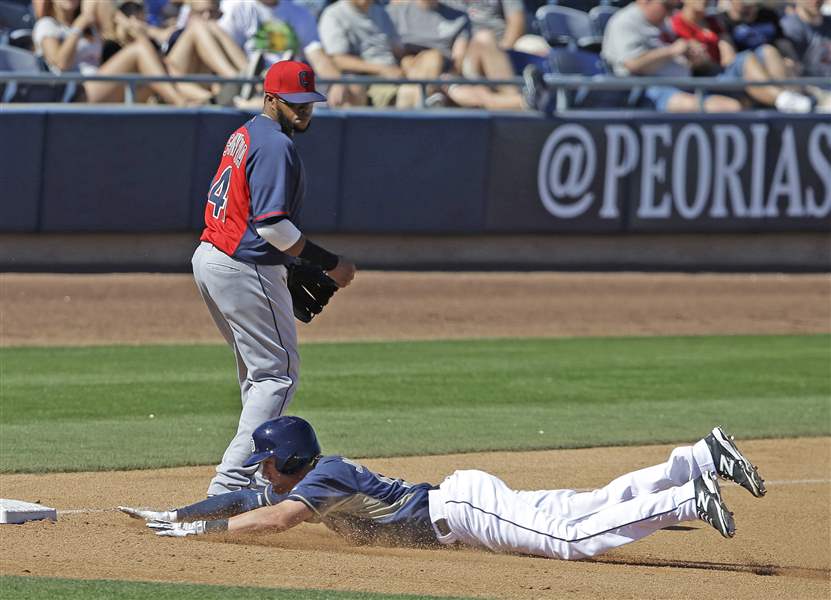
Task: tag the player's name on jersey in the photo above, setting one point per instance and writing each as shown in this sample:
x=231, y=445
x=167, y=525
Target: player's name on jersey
x=236, y=148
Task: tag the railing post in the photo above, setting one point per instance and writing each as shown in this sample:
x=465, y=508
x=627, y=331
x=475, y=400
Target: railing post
x=130, y=92
x=699, y=97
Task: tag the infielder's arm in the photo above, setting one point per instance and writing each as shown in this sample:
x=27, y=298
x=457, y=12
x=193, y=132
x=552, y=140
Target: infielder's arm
x=284, y=236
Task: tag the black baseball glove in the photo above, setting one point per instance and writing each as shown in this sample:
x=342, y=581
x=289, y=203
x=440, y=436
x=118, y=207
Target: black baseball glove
x=310, y=289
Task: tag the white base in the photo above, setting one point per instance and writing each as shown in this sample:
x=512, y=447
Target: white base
x=17, y=511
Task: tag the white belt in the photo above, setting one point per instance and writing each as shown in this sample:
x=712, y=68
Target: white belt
x=440, y=525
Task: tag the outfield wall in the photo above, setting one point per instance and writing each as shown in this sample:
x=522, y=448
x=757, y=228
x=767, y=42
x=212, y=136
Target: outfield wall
x=632, y=180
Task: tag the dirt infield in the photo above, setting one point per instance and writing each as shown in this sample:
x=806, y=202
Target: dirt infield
x=782, y=549
x=96, y=309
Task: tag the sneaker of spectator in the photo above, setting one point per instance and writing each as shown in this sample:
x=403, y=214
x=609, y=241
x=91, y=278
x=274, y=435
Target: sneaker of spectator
x=361, y=39
x=274, y=30
x=810, y=33
x=67, y=37
x=434, y=39
x=635, y=44
x=716, y=56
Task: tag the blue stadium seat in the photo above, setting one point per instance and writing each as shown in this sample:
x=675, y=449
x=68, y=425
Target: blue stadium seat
x=566, y=61
x=20, y=61
x=599, y=17
x=16, y=22
x=561, y=26
x=15, y=16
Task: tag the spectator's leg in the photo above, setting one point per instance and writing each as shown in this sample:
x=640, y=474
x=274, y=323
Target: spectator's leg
x=198, y=43
x=480, y=96
x=717, y=104
x=493, y=61
x=105, y=16
x=425, y=65
x=234, y=53
x=754, y=70
x=138, y=57
x=680, y=102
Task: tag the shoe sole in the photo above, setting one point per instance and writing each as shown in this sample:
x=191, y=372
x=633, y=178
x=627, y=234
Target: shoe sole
x=751, y=475
x=725, y=517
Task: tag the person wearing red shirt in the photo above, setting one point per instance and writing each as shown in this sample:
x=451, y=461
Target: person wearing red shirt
x=714, y=55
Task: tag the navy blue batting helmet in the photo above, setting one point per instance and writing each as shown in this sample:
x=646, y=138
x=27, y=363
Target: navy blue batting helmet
x=290, y=440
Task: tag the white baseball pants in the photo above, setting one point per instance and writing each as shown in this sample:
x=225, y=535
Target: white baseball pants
x=481, y=510
x=252, y=308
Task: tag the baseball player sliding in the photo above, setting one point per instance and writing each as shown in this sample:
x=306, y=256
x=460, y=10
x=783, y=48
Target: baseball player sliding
x=469, y=507
x=240, y=266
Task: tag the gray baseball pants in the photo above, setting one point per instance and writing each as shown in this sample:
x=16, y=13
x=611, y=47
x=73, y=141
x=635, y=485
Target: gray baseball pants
x=252, y=308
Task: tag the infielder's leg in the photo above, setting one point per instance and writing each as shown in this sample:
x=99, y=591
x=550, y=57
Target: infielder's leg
x=684, y=464
x=482, y=511
x=255, y=306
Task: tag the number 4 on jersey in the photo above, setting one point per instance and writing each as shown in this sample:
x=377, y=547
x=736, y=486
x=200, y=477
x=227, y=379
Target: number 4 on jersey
x=218, y=196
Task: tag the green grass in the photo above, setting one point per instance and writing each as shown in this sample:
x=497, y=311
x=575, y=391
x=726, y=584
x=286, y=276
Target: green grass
x=65, y=409
x=38, y=588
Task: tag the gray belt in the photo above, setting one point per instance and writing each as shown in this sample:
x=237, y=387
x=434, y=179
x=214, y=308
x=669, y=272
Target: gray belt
x=442, y=527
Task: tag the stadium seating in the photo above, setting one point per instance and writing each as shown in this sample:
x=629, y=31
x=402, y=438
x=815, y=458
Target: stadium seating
x=561, y=26
x=566, y=61
x=16, y=22
x=599, y=17
x=21, y=61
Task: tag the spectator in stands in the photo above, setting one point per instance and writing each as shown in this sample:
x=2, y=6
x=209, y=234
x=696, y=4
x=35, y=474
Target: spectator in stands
x=67, y=37
x=195, y=45
x=810, y=33
x=715, y=56
x=634, y=43
x=202, y=46
x=274, y=30
x=361, y=38
x=751, y=25
x=501, y=21
x=434, y=38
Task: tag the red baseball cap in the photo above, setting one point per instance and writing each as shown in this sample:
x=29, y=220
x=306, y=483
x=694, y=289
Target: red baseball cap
x=293, y=81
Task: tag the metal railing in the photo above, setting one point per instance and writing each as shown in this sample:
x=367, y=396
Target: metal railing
x=558, y=83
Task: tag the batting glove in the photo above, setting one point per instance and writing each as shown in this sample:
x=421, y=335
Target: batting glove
x=169, y=529
x=149, y=515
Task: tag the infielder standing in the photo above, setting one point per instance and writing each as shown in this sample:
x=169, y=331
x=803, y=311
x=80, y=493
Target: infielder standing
x=240, y=266
x=469, y=507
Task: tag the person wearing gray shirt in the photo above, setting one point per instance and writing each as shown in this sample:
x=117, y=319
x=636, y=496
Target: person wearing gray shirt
x=504, y=18
x=360, y=29
x=360, y=38
x=425, y=24
x=435, y=39
x=634, y=44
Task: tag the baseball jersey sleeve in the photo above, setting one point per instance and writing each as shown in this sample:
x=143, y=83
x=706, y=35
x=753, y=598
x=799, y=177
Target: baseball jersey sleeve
x=272, y=172
x=331, y=482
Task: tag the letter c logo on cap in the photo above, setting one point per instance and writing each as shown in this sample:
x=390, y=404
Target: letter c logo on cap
x=305, y=79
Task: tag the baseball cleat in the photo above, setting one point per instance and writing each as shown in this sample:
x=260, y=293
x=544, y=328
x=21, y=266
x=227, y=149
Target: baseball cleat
x=710, y=507
x=731, y=464
x=148, y=515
